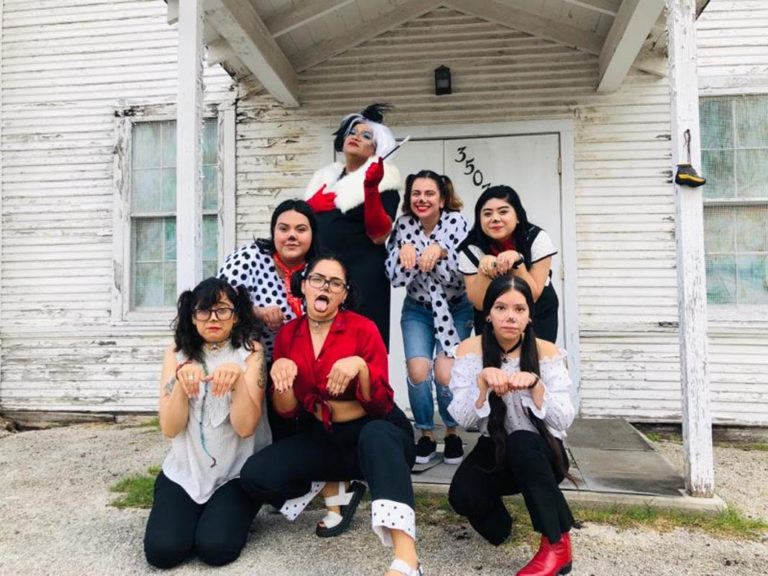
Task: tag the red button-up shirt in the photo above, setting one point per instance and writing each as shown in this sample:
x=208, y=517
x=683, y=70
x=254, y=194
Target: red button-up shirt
x=350, y=335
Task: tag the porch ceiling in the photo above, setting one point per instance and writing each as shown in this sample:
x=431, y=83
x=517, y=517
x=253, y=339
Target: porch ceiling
x=272, y=41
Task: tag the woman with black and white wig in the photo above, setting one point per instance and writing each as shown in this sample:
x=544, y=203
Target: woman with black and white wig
x=502, y=241
x=516, y=389
x=436, y=313
x=355, y=201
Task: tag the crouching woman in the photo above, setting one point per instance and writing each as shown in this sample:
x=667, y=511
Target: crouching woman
x=211, y=404
x=516, y=389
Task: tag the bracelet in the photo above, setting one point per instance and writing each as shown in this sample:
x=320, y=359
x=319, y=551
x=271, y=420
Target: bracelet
x=180, y=366
x=535, y=382
x=520, y=261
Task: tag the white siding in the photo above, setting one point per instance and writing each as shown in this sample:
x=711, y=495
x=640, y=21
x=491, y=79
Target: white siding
x=67, y=67
x=624, y=202
x=733, y=59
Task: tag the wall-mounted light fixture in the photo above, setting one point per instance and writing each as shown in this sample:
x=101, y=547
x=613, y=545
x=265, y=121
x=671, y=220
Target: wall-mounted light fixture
x=442, y=80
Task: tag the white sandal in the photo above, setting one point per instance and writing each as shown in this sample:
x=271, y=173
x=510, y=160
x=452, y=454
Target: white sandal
x=335, y=523
x=403, y=567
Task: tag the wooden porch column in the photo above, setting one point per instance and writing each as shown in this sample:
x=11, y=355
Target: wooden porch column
x=691, y=280
x=189, y=147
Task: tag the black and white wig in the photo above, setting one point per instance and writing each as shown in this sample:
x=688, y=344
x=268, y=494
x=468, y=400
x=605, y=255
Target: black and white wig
x=373, y=115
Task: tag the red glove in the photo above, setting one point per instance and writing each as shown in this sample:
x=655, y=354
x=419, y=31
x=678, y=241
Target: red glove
x=377, y=221
x=321, y=202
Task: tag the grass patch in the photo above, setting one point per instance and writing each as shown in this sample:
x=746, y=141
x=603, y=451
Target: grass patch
x=136, y=491
x=433, y=509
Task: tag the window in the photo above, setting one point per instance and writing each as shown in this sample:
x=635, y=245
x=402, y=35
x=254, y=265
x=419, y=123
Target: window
x=153, y=207
x=734, y=141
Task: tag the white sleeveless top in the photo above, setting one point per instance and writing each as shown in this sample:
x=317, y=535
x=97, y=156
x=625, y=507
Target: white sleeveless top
x=209, y=435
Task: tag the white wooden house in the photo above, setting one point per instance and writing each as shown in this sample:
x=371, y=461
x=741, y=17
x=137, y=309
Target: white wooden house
x=570, y=101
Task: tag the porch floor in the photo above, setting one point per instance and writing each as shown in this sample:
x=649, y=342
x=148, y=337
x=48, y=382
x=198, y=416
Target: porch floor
x=612, y=461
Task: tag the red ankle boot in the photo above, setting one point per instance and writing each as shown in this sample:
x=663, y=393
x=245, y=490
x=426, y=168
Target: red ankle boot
x=551, y=559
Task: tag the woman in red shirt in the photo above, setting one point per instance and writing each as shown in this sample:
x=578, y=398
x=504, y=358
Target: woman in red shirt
x=332, y=363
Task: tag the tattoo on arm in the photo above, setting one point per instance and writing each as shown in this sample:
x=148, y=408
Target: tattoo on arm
x=262, y=381
x=169, y=385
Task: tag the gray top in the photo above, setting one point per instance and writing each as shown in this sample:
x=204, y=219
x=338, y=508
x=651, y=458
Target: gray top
x=209, y=435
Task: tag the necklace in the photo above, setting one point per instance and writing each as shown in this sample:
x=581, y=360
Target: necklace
x=316, y=325
x=214, y=346
x=515, y=346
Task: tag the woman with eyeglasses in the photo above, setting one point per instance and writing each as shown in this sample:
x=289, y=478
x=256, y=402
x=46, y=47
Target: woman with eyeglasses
x=355, y=200
x=212, y=401
x=332, y=364
x=436, y=313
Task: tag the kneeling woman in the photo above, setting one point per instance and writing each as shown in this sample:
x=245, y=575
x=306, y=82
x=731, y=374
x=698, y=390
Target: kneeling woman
x=516, y=389
x=211, y=403
x=332, y=363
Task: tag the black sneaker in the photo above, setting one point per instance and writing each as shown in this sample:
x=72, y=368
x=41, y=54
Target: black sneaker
x=454, y=451
x=426, y=448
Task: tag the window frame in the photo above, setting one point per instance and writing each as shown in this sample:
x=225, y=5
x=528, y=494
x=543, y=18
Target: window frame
x=727, y=316
x=122, y=180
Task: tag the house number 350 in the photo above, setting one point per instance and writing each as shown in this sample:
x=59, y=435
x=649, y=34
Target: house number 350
x=469, y=165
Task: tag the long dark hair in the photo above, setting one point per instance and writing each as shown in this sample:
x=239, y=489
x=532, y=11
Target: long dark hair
x=268, y=244
x=444, y=185
x=529, y=362
x=204, y=297
x=480, y=239
x=350, y=302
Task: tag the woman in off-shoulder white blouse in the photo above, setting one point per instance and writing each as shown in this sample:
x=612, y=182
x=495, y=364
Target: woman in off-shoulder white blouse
x=516, y=390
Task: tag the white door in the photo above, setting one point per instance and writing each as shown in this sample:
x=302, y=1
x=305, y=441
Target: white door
x=528, y=163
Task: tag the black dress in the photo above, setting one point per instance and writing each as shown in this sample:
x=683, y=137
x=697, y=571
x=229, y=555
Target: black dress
x=343, y=235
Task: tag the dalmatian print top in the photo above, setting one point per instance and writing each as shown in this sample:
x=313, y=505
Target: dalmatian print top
x=442, y=285
x=254, y=267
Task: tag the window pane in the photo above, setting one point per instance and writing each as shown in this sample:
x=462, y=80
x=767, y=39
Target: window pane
x=169, y=144
x=210, y=141
x=169, y=190
x=146, y=193
x=717, y=166
x=170, y=239
x=721, y=280
x=752, y=229
x=753, y=279
x=719, y=229
x=210, y=268
x=751, y=117
x=210, y=238
x=752, y=173
x=148, y=239
x=146, y=144
x=169, y=289
x=210, y=188
x=716, y=124
x=148, y=284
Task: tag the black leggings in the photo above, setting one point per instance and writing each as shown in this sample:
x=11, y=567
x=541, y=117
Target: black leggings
x=476, y=493
x=380, y=451
x=179, y=527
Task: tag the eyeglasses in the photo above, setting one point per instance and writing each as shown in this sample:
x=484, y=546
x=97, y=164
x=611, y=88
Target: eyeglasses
x=319, y=282
x=220, y=313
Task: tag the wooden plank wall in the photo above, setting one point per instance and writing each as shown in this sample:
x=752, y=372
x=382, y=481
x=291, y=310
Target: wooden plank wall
x=68, y=66
x=733, y=59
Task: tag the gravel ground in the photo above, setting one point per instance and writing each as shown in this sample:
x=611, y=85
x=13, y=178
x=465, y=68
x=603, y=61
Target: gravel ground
x=55, y=519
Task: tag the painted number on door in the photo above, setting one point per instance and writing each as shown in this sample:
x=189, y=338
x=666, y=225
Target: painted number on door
x=470, y=169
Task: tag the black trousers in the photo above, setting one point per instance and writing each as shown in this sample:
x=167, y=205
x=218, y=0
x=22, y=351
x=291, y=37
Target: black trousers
x=179, y=527
x=379, y=451
x=476, y=493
